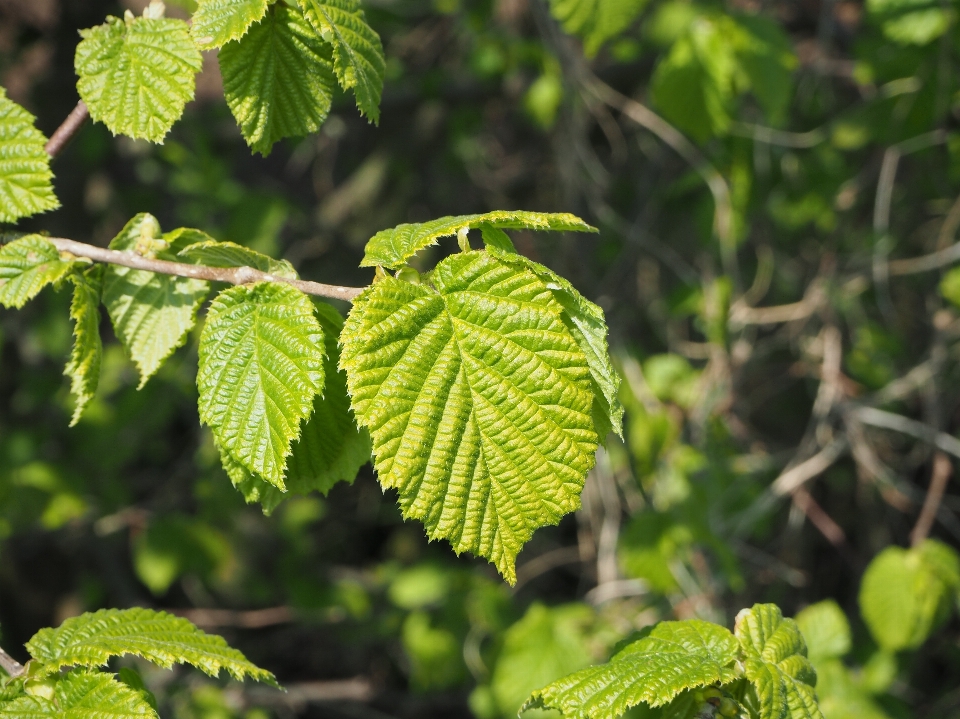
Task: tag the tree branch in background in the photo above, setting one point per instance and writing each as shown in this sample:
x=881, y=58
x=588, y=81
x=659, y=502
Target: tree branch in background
x=10, y=665
x=229, y=275
x=942, y=470
x=68, y=128
x=905, y=425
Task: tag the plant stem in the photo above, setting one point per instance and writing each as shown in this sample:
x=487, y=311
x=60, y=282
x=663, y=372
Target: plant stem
x=938, y=485
x=10, y=665
x=68, y=128
x=230, y=275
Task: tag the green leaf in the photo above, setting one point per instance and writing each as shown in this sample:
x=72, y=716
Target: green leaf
x=392, y=248
x=766, y=59
x=596, y=21
x=775, y=662
x=906, y=594
x=478, y=401
x=261, y=365
x=25, y=176
x=151, y=313
x=83, y=369
x=331, y=447
x=137, y=75
x=217, y=22
x=587, y=324
x=92, y=638
x=27, y=265
x=229, y=254
x=826, y=630
x=675, y=656
x=82, y=695
x=357, y=53
x=279, y=80
x=911, y=22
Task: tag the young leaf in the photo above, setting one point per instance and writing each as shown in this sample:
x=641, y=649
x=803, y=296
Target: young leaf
x=90, y=639
x=588, y=326
x=596, y=21
x=82, y=695
x=776, y=664
x=261, y=365
x=826, y=630
x=279, y=81
x=675, y=656
x=478, y=401
x=27, y=265
x=357, y=53
x=217, y=22
x=392, y=248
x=136, y=75
x=229, y=254
x=83, y=369
x=151, y=313
x=25, y=174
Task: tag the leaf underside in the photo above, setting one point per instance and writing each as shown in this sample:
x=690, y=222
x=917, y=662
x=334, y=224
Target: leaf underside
x=230, y=254
x=261, y=365
x=478, y=402
x=137, y=77
x=91, y=639
x=82, y=695
x=83, y=368
x=25, y=176
x=27, y=265
x=151, y=313
x=392, y=248
x=217, y=22
x=654, y=670
x=279, y=80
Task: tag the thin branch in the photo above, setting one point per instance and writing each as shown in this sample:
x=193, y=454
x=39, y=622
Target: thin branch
x=931, y=504
x=68, y=128
x=10, y=665
x=905, y=425
x=832, y=531
x=793, y=479
x=250, y=619
x=770, y=136
x=229, y=275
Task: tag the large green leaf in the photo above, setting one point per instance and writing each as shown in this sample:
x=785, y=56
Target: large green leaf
x=357, y=53
x=331, y=447
x=83, y=368
x=151, y=313
x=25, y=175
x=588, y=326
x=261, y=365
x=82, y=695
x=27, y=265
x=654, y=670
x=279, y=80
x=775, y=662
x=136, y=75
x=596, y=21
x=90, y=640
x=230, y=254
x=217, y=22
x=392, y=248
x=826, y=630
x=478, y=400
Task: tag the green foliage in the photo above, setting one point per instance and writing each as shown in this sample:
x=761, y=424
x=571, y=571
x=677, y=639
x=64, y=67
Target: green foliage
x=279, y=79
x=163, y=639
x=911, y=22
x=229, y=254
x=825, y=630
x=137, y=74
x=82, y=695
x=596, y=21
x=481, y=420
x=357, y=53
x=907, y=593
x=25, y=176
x=27, y=265
x=83, y=368
x=217, y=22
x=261, y=365
x=151, y=313
x=392, y=248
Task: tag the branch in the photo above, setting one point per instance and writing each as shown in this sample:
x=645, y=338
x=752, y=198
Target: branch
x=250, y=619
x=793, y=479
x=905, y=425
x=931, y=504
x=68, y=128
x=229, y=275
x=10, y=665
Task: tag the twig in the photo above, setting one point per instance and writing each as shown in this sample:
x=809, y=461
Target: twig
x=545, y=562
x=10, y=665
x=905, y=425
x=229, y=275
x=250, y=619
x=68, y=128
x=358, y=689
x=931, y=504
x=832, y=531
x=770, y=136
x=742, y=314
x=793, y=479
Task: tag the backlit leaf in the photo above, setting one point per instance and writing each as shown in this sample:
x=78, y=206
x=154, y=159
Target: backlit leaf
x=25, y=175
x=596, y=21
x=217, y=22
x=82, y=695
x=27, y=265
x=229, y=254
x=83, y=369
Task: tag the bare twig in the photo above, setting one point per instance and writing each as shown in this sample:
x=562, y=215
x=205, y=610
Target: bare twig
x=793, y=479
x=358, y=689
x=832, y=531
x=545, y=562
x=905, y=425
x=10, y=665
x=229, y=275
x=250, y=619
x=770, y=136
x=68, y=128
x=931, y=504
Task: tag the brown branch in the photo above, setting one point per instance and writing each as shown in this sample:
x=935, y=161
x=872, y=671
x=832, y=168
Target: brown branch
x=68, y=128
x=818, y=517
x=931, y=504
x=229, y=275
x=10, y=665
x=794, y=478
x=250, y=619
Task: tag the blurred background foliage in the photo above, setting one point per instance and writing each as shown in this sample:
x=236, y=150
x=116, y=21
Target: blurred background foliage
x=775, y=264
